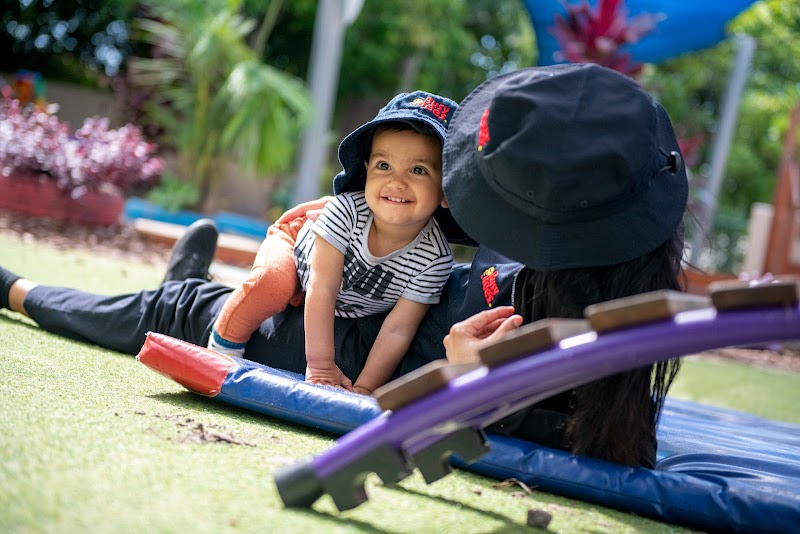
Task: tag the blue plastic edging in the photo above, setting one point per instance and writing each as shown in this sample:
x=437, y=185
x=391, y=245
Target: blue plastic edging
x=227, y=222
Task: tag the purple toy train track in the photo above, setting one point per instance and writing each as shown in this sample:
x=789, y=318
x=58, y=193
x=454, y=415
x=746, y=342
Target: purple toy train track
x=449, y=415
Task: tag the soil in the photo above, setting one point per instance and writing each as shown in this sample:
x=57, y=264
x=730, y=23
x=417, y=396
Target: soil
x=120, y=241
x=124, y=242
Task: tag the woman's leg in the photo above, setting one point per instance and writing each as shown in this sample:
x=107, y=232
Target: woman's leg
x=184, y=310
x=181, y=308
x=16, y=295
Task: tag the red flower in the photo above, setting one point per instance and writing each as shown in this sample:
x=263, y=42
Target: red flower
x=587, y=36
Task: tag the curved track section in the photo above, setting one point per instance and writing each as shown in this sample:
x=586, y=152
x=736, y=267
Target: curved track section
x=422, y=432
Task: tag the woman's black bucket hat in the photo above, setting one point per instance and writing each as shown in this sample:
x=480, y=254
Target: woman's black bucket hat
x=564, y=166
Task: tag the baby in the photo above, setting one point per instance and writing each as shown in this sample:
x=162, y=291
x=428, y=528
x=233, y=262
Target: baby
x=376, y=247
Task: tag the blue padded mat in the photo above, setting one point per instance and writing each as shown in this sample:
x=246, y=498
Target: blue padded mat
x=717, y=469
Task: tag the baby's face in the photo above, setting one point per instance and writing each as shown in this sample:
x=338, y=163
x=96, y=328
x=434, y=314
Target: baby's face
x=404, y=178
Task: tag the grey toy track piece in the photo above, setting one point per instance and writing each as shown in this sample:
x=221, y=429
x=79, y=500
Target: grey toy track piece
x=735, y=295
x=434, y=461
x=346, y=486
x=419, y=383
x=531, y=338
x=300, y=486
x=640, y=309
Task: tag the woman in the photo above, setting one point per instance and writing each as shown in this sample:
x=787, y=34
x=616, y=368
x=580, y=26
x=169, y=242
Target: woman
x=573, y=171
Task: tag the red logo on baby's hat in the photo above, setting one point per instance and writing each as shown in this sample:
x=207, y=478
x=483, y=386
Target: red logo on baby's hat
x=438, y=109
x=483, y=130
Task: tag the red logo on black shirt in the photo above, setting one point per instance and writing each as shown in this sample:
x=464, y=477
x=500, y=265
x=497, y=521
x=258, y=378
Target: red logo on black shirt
x=489, y=284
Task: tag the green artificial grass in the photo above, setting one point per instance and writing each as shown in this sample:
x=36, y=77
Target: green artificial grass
x=93, y=441
x=764, y=392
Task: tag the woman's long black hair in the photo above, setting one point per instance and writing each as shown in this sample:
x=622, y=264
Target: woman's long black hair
x=613, y=417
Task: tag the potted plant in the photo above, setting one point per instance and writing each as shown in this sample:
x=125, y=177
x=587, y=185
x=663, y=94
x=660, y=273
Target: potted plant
x=81, y=176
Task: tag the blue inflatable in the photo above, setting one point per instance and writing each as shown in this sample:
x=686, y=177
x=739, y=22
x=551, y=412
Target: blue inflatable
x=717, y=469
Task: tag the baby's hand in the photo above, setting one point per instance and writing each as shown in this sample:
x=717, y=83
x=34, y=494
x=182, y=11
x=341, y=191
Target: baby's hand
x=328, y=375
x=361, y=390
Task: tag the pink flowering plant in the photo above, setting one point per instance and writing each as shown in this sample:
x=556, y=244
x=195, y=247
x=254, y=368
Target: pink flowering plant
x=600, y=35
x=34, y=142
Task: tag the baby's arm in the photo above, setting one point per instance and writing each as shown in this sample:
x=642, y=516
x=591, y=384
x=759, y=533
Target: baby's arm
x=325, y=279
x=392, y=343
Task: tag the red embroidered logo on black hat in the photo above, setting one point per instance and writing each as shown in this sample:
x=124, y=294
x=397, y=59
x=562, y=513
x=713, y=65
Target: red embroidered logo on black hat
x=438, y=109
x=483, y=131
x=489, y=285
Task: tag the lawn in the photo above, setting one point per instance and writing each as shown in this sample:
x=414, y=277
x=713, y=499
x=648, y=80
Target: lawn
x=93, y=441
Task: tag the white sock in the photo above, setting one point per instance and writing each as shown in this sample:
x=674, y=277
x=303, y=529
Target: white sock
x=219, y=344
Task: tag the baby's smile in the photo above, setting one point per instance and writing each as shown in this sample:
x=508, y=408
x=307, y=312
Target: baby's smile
x=396, y=199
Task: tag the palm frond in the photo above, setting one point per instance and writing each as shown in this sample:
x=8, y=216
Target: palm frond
x=217, y=99
x=166, y=37
x=150, y=72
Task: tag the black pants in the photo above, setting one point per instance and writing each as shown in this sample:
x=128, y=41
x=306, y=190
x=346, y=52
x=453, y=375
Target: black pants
x=187, y=310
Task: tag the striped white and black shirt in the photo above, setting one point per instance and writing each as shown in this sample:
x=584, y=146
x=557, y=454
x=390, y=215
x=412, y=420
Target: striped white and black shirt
x=370, y=285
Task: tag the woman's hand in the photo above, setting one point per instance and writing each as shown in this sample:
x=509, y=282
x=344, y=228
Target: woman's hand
x=482, y=329
x=328, y=376
x=310, y=209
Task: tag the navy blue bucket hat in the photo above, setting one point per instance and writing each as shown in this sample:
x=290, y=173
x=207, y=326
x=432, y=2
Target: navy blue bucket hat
x=565, y=166
x=421, y=110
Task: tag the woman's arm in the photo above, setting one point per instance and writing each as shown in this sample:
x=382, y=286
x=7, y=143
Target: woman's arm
x=466, y=338
x=310, y=209
x=325, y=279
x=391, y=345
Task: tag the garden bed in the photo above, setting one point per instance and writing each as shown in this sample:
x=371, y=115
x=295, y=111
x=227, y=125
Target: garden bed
x=29, y=194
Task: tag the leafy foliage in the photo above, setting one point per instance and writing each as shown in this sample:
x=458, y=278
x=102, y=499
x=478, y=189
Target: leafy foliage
x=79, y=39
x=444, y=46
x=210, y=94
x=691, y=87
x=33, y=141
x=173, y=194
x=181, y=52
